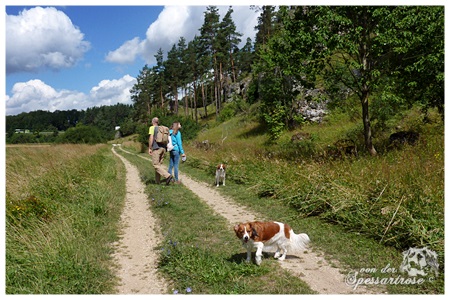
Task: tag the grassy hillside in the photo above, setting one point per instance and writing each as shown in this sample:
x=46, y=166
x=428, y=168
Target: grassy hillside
x=396, y=199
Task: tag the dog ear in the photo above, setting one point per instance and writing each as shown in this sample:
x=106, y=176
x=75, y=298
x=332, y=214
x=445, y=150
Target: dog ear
x=236, y=228
x=254, y=233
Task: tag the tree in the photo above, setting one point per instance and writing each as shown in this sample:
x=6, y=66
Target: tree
x=245, y=58
x=265, y=27
x=230, y=39
x=172, y=68
x=210, y=44
x=184, y=69
x=357, y=48
x=141, y=95
x=277, y=73
x=419, y=67
x=195, y=69
x=158, y=70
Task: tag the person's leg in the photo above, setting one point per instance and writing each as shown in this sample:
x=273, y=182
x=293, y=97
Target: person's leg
x=171, y=161
x=176, y=162
x=157, y=160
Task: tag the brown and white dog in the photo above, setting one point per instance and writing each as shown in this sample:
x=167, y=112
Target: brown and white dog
x=221, y=172
x=268, y=237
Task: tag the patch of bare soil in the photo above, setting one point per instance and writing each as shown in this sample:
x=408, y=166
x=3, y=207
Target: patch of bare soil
x=135, y=254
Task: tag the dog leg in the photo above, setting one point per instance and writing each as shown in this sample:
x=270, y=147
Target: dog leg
x=249, y=256
x=277, y=254
x=224, y=181
x=284, y=253
x=249, y=252
x=258, y=254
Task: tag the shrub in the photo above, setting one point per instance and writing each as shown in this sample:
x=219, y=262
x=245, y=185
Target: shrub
x=82, y=134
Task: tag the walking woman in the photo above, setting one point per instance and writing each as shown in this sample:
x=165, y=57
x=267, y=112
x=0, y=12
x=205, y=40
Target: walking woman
x=177, y=150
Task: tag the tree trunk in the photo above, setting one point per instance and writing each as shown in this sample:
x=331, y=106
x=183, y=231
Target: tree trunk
x=162, y=97
x=233, y=71
x=216, y=93
x=365, y=90
x=176, y=100
x=204, y=99
x=186, y=113
x=366, y=122
x=195, y=100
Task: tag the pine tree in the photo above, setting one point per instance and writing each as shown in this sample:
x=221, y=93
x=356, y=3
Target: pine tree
x=158, y=70
x=210, y=44
x=230, y=40
x=265, y=27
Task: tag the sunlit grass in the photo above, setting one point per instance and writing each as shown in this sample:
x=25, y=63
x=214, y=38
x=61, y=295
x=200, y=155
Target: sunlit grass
x=62, y=210
x=395, y=199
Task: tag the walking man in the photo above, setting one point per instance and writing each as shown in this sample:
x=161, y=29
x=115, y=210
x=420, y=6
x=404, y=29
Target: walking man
x=157, y=153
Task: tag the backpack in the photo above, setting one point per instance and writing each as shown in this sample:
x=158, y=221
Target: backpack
x=170, y=145
x=162, y=135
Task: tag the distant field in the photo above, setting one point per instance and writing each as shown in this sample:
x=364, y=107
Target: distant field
x=27, y=145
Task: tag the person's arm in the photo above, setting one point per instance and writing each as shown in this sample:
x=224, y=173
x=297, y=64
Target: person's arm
x=180, y=144
x=150, y=140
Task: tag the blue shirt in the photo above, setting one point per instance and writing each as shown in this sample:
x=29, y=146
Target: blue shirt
x=177, y=142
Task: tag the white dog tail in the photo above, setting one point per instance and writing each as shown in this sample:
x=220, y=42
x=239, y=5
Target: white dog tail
x=299, y=241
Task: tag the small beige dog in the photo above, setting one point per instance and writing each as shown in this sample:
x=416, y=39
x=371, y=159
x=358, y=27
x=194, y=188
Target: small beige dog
x=221, y=174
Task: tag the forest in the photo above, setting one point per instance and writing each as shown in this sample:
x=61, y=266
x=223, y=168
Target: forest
x=377, y=60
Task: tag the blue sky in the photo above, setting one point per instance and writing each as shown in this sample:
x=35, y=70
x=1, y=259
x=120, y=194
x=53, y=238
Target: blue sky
x=75, y=57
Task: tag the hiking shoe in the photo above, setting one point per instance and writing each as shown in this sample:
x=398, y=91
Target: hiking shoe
x=169, y=179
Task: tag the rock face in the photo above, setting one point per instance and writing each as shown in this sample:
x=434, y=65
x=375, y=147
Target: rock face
x=312, y=111
x=312, y=107
x=237, y=88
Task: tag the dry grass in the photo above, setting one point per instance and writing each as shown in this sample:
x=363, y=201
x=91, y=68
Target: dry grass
x=25, y=163
x=63, y=208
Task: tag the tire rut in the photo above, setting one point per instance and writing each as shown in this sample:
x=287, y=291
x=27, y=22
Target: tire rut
x=135, y=255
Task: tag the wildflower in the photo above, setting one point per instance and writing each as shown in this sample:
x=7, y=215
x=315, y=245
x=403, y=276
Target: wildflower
x=188, y=290
x=175, y=292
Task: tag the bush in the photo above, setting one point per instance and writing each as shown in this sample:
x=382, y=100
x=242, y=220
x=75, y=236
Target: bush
x=82, y=134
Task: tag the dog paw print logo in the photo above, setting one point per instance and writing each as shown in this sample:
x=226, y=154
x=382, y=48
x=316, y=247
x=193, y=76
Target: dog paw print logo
x=419, y=261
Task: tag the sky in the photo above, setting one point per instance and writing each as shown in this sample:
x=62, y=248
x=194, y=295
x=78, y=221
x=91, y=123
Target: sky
x=62, y=57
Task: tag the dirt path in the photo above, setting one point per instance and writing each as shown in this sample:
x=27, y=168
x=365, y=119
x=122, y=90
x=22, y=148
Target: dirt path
x=135, y=256
x=310, y=266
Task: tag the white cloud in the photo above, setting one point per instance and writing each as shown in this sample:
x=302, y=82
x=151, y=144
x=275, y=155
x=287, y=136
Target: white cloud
x=110, y=92
x=41, y=38
x=180, y=21
x=36, y=95
x=126, y=53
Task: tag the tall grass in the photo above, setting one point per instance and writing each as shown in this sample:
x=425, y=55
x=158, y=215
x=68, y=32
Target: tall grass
x=62, y=209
